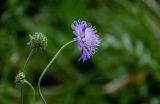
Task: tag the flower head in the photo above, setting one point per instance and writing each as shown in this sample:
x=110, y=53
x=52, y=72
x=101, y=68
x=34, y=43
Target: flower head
x=86, y=38
x=19, y=80
x=38, y=41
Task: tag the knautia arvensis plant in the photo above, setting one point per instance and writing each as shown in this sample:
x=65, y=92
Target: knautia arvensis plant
x=38, y=41
x=86, y=40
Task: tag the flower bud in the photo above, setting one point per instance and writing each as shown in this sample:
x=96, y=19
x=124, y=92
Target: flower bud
x=20, y=78
x=38, y=41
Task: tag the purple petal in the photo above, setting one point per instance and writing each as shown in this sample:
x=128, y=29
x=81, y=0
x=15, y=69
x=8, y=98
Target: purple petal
x=74, y=24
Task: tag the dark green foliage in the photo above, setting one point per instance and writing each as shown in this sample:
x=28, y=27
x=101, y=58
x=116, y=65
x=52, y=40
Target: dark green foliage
x=125, y=69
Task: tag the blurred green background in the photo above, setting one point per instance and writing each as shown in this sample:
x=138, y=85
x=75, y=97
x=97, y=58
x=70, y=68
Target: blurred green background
x=125, y=69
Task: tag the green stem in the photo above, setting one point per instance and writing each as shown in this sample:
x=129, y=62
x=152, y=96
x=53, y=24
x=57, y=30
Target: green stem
x=22, y=94
x=25, y=81
x=44, y=71
x=24, y=71
x=29, y=56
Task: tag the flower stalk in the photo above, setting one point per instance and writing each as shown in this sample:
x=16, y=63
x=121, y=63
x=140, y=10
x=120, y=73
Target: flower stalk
x=44, y=71
x=28, y=58
x=28, y=83
x=22, y=76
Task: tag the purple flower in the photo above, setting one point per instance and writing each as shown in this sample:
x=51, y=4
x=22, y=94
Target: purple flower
x=86, y=38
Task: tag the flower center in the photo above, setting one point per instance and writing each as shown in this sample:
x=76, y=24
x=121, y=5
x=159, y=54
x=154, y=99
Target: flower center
x=86, y=46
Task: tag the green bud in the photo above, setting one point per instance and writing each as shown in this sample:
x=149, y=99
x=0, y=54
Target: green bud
x=38, y=41
x=20, y=78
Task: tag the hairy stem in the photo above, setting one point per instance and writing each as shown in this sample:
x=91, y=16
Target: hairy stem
x=33, y=99
x=44, y=71
x=21, y=94
x=28, y=58
x=24, y=71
